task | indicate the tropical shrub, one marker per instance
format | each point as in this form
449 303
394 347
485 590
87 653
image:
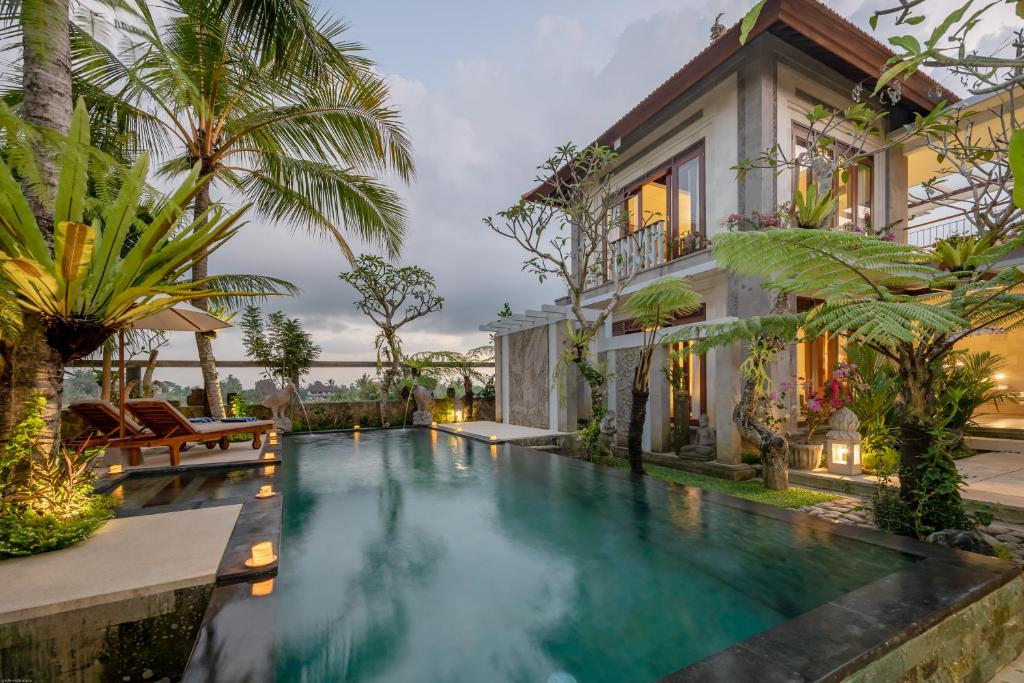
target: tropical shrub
48 500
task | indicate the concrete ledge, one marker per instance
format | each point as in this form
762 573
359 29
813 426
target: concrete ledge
711 468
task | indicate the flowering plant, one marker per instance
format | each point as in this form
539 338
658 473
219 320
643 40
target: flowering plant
690 243
833 396
757 220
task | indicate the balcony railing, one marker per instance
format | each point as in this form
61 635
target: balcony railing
927 234
645 248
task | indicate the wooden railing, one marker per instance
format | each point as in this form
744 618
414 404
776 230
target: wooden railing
643 249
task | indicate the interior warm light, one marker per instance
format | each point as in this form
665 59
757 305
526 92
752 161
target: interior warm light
266 491
1000 375
262 555
262 588
115 469
839 454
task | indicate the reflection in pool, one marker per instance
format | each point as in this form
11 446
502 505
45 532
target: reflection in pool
420 556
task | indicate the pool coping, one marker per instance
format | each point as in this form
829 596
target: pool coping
843 635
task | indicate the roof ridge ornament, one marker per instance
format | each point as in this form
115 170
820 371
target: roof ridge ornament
717 29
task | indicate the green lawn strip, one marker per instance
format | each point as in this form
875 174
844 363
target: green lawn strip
794 497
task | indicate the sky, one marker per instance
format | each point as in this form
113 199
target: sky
487 90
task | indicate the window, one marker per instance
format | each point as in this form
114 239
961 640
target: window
671 196
852 189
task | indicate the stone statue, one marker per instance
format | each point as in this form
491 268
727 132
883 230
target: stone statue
704 449
424 398
276 399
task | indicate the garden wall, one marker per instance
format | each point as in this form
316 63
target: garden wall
329 414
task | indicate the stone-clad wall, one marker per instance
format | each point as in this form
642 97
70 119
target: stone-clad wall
528 386
970 645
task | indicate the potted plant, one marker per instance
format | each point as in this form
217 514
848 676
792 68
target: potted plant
803 453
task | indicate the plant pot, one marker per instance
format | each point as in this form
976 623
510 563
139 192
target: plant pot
804 456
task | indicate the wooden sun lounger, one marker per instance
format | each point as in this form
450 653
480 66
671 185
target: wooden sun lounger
103 423
168 427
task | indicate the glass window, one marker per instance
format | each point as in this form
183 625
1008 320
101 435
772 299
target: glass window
654 201
688 196
633 212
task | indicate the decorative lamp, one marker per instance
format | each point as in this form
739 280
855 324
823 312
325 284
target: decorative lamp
433 424
115 469
262 555
842 443
458 416
355 427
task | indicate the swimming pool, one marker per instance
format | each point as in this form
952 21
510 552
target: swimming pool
419 556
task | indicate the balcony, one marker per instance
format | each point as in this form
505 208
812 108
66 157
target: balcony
646 248
927 234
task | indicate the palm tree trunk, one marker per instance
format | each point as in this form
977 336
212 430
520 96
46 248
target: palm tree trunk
204 342
634 439
467 397
46 56
36 368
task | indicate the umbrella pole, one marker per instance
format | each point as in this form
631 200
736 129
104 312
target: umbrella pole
120 377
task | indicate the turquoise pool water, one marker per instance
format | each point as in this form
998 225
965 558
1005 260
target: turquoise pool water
418 556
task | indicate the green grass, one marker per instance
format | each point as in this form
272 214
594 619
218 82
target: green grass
751 490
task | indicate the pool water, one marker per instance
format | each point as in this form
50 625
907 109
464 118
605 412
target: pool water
419 556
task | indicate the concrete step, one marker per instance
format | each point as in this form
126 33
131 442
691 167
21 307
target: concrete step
991 443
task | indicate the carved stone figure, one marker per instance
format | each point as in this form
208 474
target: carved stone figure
704 449
276 399
424 398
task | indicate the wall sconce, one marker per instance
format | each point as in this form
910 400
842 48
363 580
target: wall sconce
266 491
262 588
842 443
115 469
262 555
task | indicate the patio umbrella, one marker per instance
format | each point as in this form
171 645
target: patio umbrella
180 318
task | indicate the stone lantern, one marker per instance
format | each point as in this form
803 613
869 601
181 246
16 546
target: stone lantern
842 443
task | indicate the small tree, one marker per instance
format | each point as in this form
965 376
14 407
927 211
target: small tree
280 345
654 307
454 365
565 229
392 297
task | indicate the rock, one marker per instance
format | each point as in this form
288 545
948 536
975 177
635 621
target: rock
971 541
1008 538
422 418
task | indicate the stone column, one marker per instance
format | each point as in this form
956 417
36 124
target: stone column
724 380
499 381
658 402
895 183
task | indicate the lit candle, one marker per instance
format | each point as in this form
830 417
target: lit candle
433 424
493 437
266 491
268 455
262 555
115 469
355 427
261 588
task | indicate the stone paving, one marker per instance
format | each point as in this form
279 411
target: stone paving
858 511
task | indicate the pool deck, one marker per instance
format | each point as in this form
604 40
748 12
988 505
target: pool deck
128 557
238 453
994 479
503 433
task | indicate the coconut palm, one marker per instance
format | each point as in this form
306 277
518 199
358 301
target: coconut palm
653 308
301 137
102 275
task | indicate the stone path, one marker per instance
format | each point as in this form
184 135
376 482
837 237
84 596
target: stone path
858 511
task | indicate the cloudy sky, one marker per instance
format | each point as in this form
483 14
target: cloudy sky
486 89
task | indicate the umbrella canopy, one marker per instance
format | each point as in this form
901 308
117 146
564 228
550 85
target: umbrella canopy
181 318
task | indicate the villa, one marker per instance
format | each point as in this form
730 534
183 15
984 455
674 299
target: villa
677 150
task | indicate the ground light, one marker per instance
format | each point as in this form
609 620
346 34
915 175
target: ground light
272 437
262 555
115 469
266 491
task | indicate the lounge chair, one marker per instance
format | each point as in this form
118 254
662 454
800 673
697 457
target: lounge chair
168 427
103 423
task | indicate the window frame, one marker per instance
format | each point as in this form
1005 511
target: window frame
800 136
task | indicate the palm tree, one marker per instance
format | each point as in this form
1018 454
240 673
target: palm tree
100 276
654 308
301 129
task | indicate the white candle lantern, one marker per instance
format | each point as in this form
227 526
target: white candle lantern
842 443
